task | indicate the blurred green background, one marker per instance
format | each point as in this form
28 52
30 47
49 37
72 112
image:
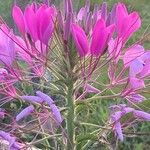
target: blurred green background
143 6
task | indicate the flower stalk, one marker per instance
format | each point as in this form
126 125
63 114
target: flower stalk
70 116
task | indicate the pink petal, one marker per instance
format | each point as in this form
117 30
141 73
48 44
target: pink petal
134 23
99 38
80 40
19 18
31 22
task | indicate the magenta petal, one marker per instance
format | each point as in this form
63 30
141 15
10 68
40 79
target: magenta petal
19 18
126 24
134 23
80 40
31 22
99 38
25 112
121 14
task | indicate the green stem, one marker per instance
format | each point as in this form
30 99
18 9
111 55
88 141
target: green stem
70 117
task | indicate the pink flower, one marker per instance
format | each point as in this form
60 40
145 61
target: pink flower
38 23
127 24
100 36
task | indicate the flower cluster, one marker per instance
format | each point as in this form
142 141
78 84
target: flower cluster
62 53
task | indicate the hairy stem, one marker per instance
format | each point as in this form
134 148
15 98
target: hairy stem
70 117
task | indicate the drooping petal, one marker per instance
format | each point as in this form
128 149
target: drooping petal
52 105
118 130
25 112
142 115
117 125
136 98
32 99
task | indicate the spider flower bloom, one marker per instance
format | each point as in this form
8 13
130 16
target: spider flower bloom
100 36
80 40
38 23
127 24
